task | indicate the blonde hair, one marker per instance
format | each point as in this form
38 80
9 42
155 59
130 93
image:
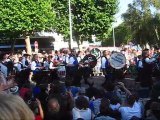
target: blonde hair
14 108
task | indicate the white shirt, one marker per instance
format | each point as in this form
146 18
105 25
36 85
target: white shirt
66 58
3 69
128 112
18 66
103 62
34 65
84 114
149 60
115 107
24 62
79 58
140 64
46 65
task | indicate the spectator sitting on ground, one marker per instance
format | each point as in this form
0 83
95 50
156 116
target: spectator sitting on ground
95 103
104 111
82 93
53 110
130 110
154 112
14 108
74 90
81 109
115 103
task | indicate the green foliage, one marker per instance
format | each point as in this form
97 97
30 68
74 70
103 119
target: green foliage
25 16
89 17
122 35
142 23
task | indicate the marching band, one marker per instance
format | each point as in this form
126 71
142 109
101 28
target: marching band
74 65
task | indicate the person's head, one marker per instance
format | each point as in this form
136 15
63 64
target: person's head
73 52
49 58
104 106
109 86
114 100
3 56
131 100
35 57
81 103
105 53
82 91
14 108
145 53
53 106
20 59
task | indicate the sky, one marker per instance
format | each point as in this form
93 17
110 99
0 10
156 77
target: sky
123 6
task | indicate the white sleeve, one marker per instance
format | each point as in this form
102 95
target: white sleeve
23 62
71 60
140 64
147 60
103 62
79 59
19 67
33 65
51 65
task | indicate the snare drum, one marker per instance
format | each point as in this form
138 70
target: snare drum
61 71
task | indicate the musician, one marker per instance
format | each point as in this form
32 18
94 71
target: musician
19 65
79 56
72 64
48 64
25 60
35 64
147 62
105 64
3 67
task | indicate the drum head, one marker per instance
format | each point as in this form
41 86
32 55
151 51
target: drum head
90 59
96 52
117 60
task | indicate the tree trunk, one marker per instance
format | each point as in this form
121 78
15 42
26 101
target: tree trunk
157 35
13 41
28 45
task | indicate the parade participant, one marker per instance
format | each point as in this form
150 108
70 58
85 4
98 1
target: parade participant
35 64
79 56
146 80
105 64
25 60
3 67
72 64
48 64
19 65
139 66
57 53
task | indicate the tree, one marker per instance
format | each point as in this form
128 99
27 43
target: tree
142 22
122 35
89 17
24 17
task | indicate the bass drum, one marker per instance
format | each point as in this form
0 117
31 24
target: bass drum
117 60
90 60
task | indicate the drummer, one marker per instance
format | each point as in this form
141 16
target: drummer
18 65
26 61
48 64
